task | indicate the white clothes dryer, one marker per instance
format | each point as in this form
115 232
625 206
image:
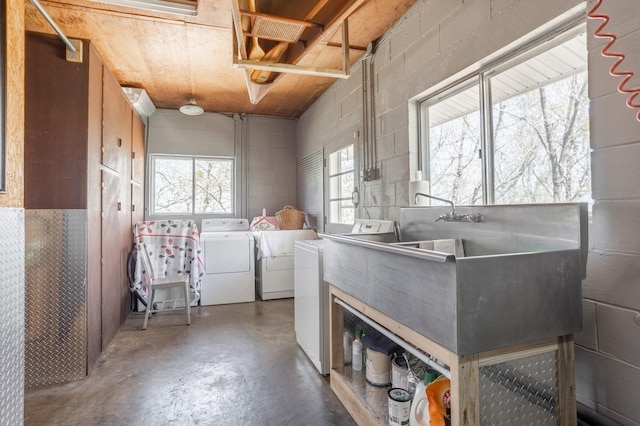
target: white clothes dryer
229 262
274 265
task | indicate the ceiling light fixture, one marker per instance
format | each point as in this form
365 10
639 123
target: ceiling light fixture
191 108
180 7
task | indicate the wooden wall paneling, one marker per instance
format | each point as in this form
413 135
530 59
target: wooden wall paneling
116 132
79 139
55 127
117 118
125 232
94 210
137 149
137 169
137 203
117 124
112 265
128 116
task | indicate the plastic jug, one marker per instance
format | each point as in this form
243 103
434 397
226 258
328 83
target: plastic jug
419 415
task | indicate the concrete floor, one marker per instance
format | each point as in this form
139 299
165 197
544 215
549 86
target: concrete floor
234 365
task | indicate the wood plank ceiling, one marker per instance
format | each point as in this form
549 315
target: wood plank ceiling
175 57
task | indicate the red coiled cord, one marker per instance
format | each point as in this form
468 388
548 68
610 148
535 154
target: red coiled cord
606 51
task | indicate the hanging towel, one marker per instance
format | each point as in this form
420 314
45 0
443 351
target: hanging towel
174 249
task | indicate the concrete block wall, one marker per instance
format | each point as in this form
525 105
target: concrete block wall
332 122
333 118
173 133
271 164
608 352
264 149
431 44
436 43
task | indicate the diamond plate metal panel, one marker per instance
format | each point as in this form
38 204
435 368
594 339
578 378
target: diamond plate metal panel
12 317
520 392
55 327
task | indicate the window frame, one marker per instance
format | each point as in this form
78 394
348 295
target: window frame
193 159
482 78
331 198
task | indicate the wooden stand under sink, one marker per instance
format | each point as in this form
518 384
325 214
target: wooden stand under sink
368 404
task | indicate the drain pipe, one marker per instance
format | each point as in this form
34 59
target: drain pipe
410 348
55 26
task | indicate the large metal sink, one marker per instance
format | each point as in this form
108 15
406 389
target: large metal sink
518 281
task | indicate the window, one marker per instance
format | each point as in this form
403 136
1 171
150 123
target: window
341 186
517 132
191 185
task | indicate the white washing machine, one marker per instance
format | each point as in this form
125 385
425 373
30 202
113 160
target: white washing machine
311 300
229 262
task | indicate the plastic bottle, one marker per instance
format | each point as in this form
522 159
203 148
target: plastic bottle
419 414
356 354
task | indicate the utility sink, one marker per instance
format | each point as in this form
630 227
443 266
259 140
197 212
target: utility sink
472 287
453 246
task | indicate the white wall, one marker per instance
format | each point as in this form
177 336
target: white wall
264 149
435 42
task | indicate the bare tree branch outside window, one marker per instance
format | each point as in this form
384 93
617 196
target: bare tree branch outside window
541 145
187 185
539 139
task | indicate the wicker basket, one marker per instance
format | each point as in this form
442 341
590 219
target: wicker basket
290 218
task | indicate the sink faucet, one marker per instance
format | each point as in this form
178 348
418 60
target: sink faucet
452 216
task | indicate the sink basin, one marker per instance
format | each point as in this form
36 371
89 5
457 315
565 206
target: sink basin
385 237
489 246
514 278
454 246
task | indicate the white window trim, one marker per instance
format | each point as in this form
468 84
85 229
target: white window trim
330 220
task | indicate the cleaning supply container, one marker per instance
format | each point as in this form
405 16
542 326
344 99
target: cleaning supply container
356 352
399 405
419 414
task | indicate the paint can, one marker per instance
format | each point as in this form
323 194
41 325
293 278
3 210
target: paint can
399 371
378 368
378 358
399 407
